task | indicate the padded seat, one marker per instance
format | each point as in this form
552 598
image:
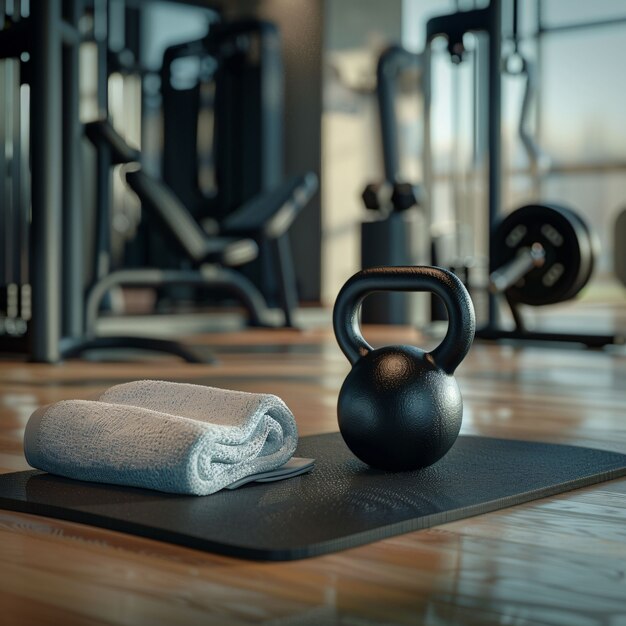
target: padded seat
171 215
192 240
240 64
271 213
212 257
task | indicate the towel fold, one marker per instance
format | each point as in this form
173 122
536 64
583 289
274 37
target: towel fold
172 437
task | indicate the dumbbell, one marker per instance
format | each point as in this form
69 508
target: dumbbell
387 197
541 254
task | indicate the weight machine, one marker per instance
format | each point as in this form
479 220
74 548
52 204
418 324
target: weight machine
539 254
390 235
50 307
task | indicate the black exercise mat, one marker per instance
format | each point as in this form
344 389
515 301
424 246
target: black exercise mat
343 503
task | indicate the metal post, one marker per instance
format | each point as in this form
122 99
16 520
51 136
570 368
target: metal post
73 218
5 222
427 167
539 180
46 158
494 131
454 26
386 93
102 261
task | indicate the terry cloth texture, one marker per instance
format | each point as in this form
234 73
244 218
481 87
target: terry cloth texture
172 437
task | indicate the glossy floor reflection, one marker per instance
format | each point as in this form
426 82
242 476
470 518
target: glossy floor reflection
554 561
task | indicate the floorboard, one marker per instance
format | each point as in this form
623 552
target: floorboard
555 561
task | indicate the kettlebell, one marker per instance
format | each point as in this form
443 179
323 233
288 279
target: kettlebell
400 407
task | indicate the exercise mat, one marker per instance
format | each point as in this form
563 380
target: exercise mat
343 503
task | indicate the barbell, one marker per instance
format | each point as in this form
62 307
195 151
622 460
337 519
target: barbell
541 254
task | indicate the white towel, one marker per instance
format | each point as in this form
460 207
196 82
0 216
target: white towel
172 437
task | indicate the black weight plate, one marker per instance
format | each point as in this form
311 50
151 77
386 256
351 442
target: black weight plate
588 251
619 249
568 247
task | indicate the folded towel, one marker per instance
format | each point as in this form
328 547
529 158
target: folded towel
172 437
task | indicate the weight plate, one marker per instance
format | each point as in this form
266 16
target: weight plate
619 249
589 250
568 245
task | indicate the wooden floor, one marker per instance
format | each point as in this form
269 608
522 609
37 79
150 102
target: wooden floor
560 560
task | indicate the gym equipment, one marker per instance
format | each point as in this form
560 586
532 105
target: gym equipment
400 407
394 65
454 27
388 242
391 237
46 42
516 64
541 254
341 504
42 46
240 64
211 258
45 45
15 288
53 291
524 275
387 197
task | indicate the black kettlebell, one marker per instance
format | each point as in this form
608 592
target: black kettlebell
400 408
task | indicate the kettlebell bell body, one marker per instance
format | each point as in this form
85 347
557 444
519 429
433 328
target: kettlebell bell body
400 407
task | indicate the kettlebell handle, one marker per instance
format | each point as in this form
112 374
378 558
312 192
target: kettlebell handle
461 325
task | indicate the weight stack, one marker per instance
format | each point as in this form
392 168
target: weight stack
383 243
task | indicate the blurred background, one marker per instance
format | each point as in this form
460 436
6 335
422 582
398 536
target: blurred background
285 144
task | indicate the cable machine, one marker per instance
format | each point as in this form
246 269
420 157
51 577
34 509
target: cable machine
539 254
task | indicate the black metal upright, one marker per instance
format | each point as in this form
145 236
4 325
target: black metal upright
46 172
102 261
454 26
73 217
391 64
494 132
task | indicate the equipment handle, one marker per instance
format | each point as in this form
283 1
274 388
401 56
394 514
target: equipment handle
461 326
506 276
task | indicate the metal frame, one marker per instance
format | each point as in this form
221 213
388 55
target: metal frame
391 63
489 20
46 175
454 26
206 276
50 36
14 225
65 317
275 272
212 276
73 218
